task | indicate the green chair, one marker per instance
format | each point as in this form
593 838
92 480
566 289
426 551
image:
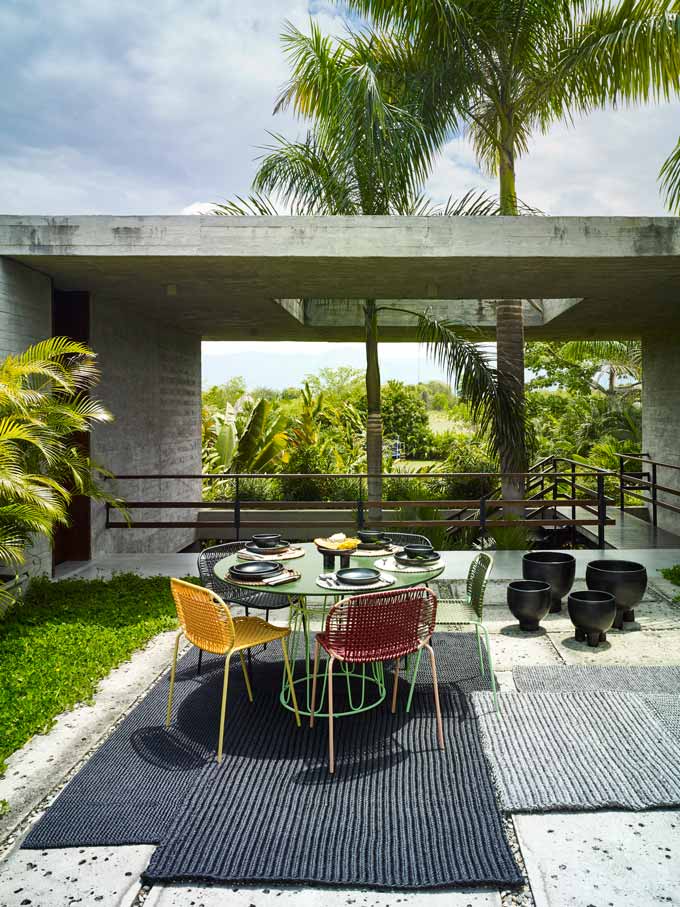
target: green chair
469 611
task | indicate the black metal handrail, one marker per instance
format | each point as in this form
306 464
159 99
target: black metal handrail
630 481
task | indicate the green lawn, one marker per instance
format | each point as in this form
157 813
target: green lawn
672 574
63 638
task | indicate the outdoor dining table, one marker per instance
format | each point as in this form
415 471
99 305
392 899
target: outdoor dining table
308 600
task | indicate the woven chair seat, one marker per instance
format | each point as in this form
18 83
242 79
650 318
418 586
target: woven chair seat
253 631
455 611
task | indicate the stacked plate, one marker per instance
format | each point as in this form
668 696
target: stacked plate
255 571
279 548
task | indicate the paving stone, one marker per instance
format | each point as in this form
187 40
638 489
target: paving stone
623 647
602 859
218 896
80 875
513 647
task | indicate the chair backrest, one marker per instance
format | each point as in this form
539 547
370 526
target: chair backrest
381 625
209 557
477 578
406 538
203 616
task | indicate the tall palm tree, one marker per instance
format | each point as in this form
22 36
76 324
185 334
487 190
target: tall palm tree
500 70
366 154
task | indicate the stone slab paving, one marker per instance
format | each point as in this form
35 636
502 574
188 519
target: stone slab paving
623 647
602 859
79 875
202 896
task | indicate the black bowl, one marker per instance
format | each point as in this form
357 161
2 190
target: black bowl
554 567
592 613
625 580
267 539
406 561
255 570
529 601
371 536
358 576
283 545
418 550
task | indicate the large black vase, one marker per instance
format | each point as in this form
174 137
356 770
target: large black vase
592 613
625 580
554 567
529 601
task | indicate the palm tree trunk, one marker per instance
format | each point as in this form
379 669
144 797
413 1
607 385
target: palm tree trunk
374 419
510 332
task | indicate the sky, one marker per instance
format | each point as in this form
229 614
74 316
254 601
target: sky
161 107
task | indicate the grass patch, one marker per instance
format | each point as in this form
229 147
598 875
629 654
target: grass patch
62 638
672 574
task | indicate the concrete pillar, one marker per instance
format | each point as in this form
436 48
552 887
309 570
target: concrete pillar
25 318
151 382
661 416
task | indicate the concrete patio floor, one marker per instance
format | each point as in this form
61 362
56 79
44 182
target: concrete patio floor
602 859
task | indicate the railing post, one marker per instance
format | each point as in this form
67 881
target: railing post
360 505
482 516
621 484
601 510
573 491
237 509
654 497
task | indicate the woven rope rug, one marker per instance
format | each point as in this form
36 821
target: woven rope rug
596 678
398 812
580 751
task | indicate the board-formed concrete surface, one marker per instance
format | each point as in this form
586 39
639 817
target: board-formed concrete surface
602 859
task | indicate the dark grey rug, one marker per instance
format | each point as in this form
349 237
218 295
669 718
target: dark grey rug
596 678
398 813
581 751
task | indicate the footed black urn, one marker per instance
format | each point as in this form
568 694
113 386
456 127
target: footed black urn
557 568
529 601
625 580
592 613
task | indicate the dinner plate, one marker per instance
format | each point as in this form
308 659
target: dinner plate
276 549
358 576
407 561
255 570
373 546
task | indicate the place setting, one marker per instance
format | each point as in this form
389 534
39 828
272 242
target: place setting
373 543
262 573
412 558
268 546
355 579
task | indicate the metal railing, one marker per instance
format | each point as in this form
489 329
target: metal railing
553 488
630 483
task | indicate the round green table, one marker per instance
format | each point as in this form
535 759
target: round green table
302 611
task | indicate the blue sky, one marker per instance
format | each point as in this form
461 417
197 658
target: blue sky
122 107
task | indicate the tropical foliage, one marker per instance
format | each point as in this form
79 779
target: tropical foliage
45 404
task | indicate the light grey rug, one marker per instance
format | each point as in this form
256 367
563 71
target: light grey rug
582 751
667 710
585 678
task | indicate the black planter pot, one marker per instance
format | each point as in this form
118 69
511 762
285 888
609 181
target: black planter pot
529 601
557 568
592 613
625 580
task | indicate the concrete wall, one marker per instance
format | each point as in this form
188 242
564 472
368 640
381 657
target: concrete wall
661 416
151 382
25 317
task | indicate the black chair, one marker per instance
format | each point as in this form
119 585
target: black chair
234 595
406 538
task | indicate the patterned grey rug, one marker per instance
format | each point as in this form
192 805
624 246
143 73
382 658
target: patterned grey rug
586 678
581 751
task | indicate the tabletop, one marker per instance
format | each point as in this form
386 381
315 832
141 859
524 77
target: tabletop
311 566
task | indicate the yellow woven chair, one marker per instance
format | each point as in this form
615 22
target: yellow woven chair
206 622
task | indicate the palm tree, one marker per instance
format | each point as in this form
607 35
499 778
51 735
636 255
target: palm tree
44 403
499 71
613 360
367 155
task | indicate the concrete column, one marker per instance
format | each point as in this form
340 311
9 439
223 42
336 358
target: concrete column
25 318
661 416
151 382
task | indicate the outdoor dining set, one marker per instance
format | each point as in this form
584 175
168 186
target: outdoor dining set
370 597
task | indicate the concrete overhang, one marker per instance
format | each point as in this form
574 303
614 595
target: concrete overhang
244 278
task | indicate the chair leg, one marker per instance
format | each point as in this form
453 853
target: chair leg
435 684
413 680
249 689
395 687
172 680
223 711
331 750
286 661
200 662
479 651
316 671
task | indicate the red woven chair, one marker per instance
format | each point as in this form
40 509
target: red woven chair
381 626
